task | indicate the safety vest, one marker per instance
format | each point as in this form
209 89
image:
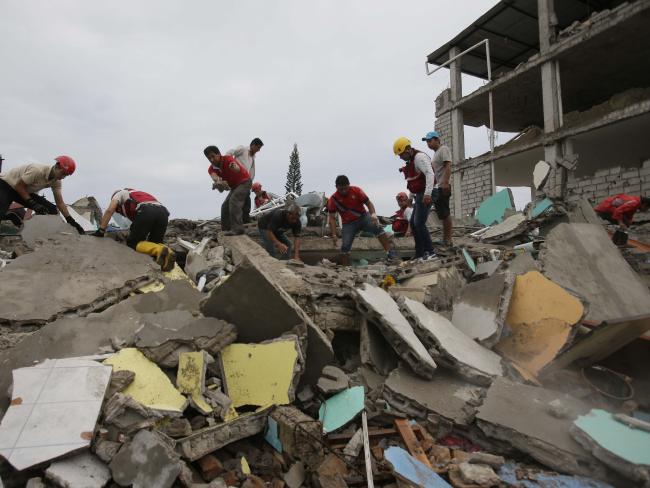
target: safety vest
131 205
261 200
415 180
233 178
400 224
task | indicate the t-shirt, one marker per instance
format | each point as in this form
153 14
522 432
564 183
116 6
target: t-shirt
276 221
35 176
233 178
351 206
123 195
441 155
243 155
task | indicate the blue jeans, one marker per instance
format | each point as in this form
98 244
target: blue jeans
351 229
419 229
270 248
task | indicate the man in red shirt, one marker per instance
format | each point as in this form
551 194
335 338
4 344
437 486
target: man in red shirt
261 197
620 209
229 174
351 202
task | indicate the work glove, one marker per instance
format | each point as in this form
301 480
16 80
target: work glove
37 207
99 232
74 224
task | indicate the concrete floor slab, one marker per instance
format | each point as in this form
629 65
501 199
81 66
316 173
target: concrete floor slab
510 227
82 470
481 310
380 307
451 347
446 395
43 227
375 351
74 274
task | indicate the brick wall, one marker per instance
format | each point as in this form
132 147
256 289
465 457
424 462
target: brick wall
443 127
476 186
610 181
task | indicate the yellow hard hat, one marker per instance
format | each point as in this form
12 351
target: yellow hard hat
400 145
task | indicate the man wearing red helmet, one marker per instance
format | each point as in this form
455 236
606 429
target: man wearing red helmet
402 218
22 184
261 197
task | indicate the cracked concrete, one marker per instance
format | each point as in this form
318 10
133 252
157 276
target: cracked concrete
375 351
43 227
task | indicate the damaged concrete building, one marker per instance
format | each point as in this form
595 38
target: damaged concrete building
570 79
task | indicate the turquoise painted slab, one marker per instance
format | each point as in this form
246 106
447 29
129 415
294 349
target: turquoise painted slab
409 468
541 207
470 261
271 435
508 474
337 411
632 445
493 208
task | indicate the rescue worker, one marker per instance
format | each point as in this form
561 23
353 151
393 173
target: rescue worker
228 173
21 185
401 218
261 197
620 209
246 156
273 225
148 224
351 202
441 189
418 173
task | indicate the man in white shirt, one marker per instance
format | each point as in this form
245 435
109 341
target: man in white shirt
246 156
442 191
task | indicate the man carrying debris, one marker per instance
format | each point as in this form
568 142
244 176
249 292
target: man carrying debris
351 202
261 197
22 183
419 180
442 189
620 209
228 173
401 219
148 224
273 226
246 156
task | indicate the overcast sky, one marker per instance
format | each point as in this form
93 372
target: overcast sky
135 90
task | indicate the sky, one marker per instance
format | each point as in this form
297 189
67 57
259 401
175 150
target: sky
134 91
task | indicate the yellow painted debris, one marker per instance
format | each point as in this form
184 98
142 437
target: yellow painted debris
150 387
259 374
245 468
175 274
541 317
191 378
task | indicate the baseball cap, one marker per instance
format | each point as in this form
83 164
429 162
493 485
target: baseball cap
431 135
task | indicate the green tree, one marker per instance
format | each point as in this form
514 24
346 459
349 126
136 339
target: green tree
294 178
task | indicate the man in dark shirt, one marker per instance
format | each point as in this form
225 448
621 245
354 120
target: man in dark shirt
273 226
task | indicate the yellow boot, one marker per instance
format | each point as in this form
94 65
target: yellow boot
165 257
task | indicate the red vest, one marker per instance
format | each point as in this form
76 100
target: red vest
400 224
233 178
261 200
135 198
415 180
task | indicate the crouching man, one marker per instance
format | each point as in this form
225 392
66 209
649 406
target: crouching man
148 224
272 227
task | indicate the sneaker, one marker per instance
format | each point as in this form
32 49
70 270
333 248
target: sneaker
391 257
428 256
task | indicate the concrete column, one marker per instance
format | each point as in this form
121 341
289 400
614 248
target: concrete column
457 129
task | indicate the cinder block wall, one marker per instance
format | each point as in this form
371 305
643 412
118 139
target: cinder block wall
610 181
476 186
443 127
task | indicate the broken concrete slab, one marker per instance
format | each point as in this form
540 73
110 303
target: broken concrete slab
406 467
481 310
43 227
478 474
375 351
622 448
295 477
515 475
333 380
151 386
449 346
522 263
54 409
339 410
377 305
85 273
488 267
262 310
297 435
492 209
540 174
209 439
445 396
82 470
262 374
145 461
190 378
510 227
517 413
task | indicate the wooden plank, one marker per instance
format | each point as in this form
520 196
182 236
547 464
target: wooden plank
412 444
366 450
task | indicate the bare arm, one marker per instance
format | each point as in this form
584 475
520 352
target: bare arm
371 207
106 218
446 174
60 204
332 222
296 248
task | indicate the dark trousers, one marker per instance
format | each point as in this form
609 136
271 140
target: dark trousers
419 229
150 224
247 210
232 208
270 248
9 195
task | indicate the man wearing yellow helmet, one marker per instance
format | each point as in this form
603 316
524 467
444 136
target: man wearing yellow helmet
418 173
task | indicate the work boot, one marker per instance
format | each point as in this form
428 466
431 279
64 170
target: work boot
163 255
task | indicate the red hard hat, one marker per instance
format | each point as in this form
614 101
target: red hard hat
256 187
402 196
67 164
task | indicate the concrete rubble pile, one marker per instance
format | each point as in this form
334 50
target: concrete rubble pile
514 359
